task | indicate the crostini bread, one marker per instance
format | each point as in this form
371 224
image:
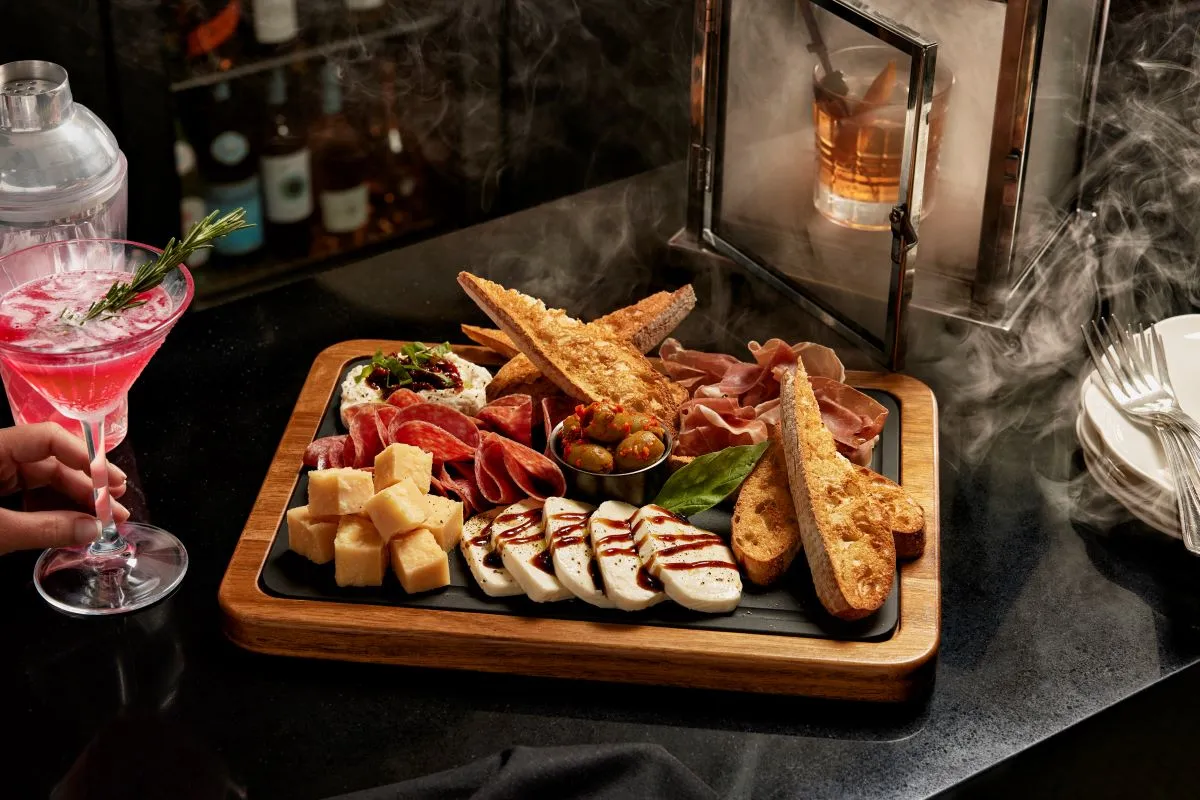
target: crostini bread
586 362
843 526
766 535
645 324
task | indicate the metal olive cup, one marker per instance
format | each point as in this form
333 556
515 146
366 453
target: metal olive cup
636 488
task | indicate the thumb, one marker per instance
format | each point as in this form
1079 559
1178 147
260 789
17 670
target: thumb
29 530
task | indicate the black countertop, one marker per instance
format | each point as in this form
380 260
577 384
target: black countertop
1047 619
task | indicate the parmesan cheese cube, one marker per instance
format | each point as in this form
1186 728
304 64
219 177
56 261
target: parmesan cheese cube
311 537
444 519
419 562
359 554
397 509
400 461
336 492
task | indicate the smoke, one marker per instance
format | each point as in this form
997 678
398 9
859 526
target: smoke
1135 253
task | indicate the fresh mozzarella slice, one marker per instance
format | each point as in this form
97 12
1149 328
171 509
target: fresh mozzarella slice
486 566
695 566
519 536
571 550
628 585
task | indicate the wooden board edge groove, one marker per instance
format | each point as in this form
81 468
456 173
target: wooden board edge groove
895 669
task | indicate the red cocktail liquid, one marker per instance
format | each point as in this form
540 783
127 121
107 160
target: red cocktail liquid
101 362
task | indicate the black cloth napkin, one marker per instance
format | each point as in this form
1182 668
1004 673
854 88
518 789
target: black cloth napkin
595 772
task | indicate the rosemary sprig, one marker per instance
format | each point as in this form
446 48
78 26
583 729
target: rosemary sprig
121 295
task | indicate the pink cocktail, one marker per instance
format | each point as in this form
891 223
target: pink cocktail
84 368
29 407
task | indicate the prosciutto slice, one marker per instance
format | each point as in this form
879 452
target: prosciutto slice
512 416
710 424
506 471
436 441
737 402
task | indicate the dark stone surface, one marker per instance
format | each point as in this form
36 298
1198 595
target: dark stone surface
1046 620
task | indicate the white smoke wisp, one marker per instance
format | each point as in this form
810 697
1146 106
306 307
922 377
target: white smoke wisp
1139 258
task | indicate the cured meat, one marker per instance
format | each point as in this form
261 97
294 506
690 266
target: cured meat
512 416
448 419
556 409
458 479
730 396
507 471
851 416
402 398
362 423
434 440
326 452
385 422
710 424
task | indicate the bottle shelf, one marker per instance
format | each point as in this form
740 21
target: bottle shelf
342 45
222 280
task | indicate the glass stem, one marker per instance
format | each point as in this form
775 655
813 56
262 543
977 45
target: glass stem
109 540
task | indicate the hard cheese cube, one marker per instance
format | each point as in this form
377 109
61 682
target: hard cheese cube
397 509
444 519
359 554
400 461
335 492
419 562
311 537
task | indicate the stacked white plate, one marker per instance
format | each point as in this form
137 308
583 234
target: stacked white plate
1125 457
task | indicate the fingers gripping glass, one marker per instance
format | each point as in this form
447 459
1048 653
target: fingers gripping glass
84 371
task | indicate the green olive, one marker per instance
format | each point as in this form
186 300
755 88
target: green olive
602 426
572 429
632 423
638 450
589 457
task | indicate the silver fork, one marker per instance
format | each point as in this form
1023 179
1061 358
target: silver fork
1133 370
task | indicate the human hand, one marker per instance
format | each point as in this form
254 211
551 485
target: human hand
33 456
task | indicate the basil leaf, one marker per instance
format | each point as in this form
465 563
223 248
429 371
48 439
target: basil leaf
709 479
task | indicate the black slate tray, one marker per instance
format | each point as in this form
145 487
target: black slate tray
790 608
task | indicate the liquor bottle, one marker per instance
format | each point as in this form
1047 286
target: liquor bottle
230 167
276 23
191 192
286 167
397 178
341 164
209 29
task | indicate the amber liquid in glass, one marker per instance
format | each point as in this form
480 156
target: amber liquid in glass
860 147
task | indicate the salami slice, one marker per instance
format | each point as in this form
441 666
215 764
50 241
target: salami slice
402 398
385 422
512 416
507 470
362 422
556 409
326 452
463 476
433 440
454 422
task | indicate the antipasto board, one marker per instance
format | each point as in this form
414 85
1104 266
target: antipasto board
778 640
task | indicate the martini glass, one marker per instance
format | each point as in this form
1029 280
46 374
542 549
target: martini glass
84 371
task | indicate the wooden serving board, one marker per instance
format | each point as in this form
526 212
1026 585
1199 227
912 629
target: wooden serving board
892 669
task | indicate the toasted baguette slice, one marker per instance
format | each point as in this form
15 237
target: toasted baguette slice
491 339
585 361
650 320
906 518
844 528
645 324
766 534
